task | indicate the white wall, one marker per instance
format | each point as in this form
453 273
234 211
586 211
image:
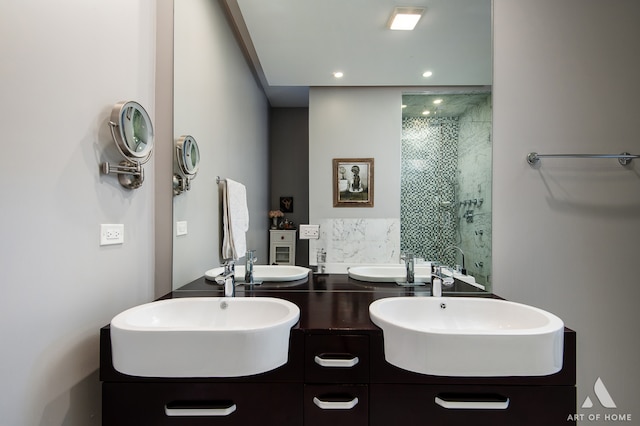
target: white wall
218 102
64 65
566 235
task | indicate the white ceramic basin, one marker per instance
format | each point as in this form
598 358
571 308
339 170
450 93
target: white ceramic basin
203 337
265 273
465 336
389 273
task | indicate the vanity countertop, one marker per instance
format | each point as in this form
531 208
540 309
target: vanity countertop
327 301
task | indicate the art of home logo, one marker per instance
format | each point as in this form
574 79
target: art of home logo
606 401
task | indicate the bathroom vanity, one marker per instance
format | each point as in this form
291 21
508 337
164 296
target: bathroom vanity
336 374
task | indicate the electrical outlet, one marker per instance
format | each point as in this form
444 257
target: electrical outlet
111 233
181 227
309 232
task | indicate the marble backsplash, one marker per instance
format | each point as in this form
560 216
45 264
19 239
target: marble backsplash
349 241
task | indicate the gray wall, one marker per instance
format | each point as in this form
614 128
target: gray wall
63 68
566 235
218 102
289 169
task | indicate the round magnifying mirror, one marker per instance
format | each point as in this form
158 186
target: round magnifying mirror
132 130
188 155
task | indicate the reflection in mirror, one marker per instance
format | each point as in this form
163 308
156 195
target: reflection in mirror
188 161
214 99
445 212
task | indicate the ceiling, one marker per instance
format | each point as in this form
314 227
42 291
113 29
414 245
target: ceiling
296 44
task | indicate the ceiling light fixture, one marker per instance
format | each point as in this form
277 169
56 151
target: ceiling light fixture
437 101
426 112
405 18
427 74
338 74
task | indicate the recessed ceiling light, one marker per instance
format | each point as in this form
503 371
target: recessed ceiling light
426 112
338 74
437 101
427 74
405 18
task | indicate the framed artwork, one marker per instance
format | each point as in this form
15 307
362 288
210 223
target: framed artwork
353 182
286 204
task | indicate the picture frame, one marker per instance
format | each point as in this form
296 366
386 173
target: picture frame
353 182
286 204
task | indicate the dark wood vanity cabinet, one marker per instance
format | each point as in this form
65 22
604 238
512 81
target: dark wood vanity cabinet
478 405
336 390
272 398
195 404
401 397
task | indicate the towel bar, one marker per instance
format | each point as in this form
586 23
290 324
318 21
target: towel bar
624 158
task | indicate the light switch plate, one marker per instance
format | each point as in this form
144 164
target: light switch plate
111 233
181 228
309 232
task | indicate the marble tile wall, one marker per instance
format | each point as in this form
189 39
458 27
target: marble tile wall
475 158
350 241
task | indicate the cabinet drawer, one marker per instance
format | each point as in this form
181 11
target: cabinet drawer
336 405
189 404
336 358
411 405
283 236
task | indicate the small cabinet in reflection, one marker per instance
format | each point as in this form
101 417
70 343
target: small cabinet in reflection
282 247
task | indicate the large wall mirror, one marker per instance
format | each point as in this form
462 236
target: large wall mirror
456 205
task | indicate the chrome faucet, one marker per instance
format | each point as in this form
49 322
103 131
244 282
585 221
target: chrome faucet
438 280
250 259
228 279
409 263
444 250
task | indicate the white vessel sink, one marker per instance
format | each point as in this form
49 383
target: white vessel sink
465 336
275 273
389 273
203 337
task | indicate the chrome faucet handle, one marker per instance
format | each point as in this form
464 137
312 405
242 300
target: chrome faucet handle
228 278
229 267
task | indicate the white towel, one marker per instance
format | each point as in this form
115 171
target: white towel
235 222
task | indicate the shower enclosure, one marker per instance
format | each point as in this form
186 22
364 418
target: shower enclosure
446 180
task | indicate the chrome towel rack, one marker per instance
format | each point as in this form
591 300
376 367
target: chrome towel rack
624 158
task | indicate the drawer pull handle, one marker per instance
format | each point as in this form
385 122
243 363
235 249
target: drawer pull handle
335 405
336 362
208 409
472 402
